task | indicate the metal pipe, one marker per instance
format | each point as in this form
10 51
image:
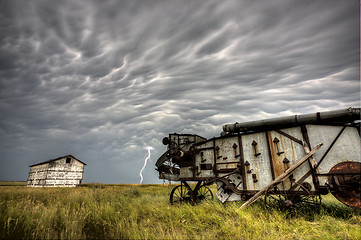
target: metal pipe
347 115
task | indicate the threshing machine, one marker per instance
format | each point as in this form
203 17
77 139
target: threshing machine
291 160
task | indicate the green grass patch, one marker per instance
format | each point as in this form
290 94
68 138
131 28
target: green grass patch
99 211
12 183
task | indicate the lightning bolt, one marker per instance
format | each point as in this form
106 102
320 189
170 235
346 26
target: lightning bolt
145 163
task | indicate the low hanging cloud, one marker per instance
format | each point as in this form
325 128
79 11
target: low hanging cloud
104 80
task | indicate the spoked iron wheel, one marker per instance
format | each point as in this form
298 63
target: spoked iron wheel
181 194
299 198
204 193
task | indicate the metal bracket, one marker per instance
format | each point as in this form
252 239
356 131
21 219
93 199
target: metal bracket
287 163
254 144
235 150
217 152
247 164
202 159
254 176
276 141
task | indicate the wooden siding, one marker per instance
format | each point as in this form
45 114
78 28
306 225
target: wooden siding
57 173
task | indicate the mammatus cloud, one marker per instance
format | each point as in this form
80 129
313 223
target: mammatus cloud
101 81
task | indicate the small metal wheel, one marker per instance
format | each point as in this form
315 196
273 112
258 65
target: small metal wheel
204 193
299 198
181 194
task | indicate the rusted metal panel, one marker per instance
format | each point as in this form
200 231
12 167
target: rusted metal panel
346 148
257 160
225 194
285 151
344 182
169 176
186 172
227 153
205 162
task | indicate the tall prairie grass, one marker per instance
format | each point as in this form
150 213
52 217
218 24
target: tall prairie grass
12 183
99 211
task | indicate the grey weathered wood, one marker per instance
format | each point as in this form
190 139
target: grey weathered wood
57 173
282 177
311 159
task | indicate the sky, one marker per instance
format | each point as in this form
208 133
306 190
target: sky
106 80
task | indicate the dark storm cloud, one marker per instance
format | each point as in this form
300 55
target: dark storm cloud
104 80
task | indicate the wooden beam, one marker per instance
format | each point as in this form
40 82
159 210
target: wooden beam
312 159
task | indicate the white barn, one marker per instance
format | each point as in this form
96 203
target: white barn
66 171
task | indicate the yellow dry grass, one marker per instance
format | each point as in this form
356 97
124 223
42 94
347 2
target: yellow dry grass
143 212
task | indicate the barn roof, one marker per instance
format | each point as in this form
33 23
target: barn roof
51 160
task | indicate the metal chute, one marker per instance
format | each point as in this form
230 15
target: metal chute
162 159
330 117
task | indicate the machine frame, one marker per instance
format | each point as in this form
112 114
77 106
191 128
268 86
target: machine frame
249 158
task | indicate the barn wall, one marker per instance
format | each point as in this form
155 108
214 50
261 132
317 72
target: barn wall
64 174
37 175
57 173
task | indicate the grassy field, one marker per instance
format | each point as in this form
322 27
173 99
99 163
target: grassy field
97 211
12 183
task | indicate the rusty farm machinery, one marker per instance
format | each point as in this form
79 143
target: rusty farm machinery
291 161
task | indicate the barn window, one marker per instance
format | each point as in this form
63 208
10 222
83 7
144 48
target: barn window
68 160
